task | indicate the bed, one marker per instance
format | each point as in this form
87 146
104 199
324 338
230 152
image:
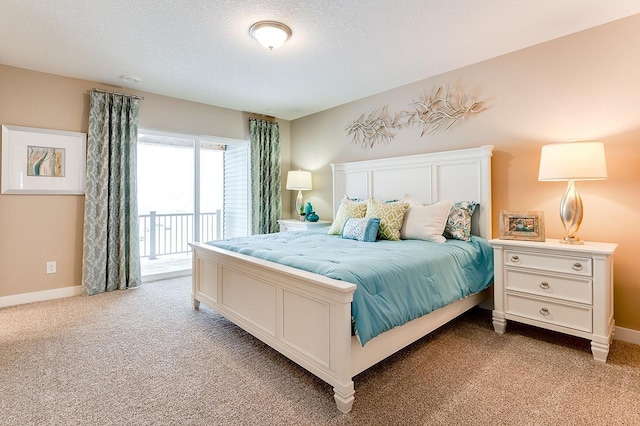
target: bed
306 316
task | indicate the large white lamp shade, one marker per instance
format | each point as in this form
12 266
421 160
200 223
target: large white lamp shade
570 162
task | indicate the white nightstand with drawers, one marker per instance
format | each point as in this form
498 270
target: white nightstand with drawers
561 287
301 225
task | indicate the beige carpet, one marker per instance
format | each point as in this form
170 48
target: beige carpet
145 357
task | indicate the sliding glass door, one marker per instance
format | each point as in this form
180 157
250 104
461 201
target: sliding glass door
190 188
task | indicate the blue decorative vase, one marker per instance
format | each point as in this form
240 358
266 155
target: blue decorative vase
313 217
308 209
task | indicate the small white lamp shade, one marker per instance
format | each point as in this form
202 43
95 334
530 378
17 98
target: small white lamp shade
570 162
299 179
573 160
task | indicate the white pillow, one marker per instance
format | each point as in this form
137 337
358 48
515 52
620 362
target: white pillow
426 222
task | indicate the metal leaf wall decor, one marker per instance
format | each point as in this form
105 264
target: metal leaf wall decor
440 109
375 128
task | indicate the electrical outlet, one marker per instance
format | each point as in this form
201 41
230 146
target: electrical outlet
51 267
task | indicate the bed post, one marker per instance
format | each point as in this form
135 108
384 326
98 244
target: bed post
341 357
344 397
195 271
196 302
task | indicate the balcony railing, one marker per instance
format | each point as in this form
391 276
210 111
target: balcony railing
170 233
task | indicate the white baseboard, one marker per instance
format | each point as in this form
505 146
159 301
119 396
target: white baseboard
166 275
627 335
38 296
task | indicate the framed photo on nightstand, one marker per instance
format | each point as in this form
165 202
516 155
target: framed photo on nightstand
522 225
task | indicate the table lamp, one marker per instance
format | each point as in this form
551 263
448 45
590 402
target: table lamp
300 180
570 162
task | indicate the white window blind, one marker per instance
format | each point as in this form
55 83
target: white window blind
236 191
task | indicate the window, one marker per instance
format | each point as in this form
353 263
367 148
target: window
190 188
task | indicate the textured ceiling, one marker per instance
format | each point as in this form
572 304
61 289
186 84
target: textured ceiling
340 51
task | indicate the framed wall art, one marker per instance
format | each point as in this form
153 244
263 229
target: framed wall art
522 225
42 161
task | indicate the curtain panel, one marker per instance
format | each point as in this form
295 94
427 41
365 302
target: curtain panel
266 200
111 253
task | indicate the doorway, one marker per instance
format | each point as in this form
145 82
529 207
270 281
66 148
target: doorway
190 188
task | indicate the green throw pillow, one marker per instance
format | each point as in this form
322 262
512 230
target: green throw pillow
391 218
348 208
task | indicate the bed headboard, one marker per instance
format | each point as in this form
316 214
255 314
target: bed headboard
460 175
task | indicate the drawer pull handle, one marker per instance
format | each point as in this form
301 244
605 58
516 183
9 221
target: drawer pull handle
544 311
577 266
544 285
515 258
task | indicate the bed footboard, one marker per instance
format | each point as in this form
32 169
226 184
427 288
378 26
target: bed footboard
304 316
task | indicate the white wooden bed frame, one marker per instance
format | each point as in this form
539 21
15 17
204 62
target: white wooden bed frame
307 317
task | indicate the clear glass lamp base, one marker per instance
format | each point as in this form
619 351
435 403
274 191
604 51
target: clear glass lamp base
571 213
572 240
299 206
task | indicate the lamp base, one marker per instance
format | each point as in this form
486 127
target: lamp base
572 240
571 213
299 205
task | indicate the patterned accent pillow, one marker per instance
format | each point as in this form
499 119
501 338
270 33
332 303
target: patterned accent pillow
391 218
361 228
459 222
348 208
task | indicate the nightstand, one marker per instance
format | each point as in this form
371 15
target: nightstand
561 287
300 225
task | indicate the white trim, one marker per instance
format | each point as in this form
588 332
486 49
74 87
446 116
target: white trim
627 335
191 136
196 190
166 275
39 296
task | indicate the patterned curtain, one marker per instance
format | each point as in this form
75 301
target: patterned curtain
266 202
111 254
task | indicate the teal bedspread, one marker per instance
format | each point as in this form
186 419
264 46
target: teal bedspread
397 281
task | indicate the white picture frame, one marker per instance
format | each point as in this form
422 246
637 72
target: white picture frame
42 161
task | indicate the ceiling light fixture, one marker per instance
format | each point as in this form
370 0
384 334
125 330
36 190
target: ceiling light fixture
130 79
270 34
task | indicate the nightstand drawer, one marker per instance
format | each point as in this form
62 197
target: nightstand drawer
301 225
549 262
573 289
285 227
571 316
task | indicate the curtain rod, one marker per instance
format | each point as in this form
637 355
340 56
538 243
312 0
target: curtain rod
117 93
256 116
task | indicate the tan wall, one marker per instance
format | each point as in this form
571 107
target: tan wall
35 229
584 87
